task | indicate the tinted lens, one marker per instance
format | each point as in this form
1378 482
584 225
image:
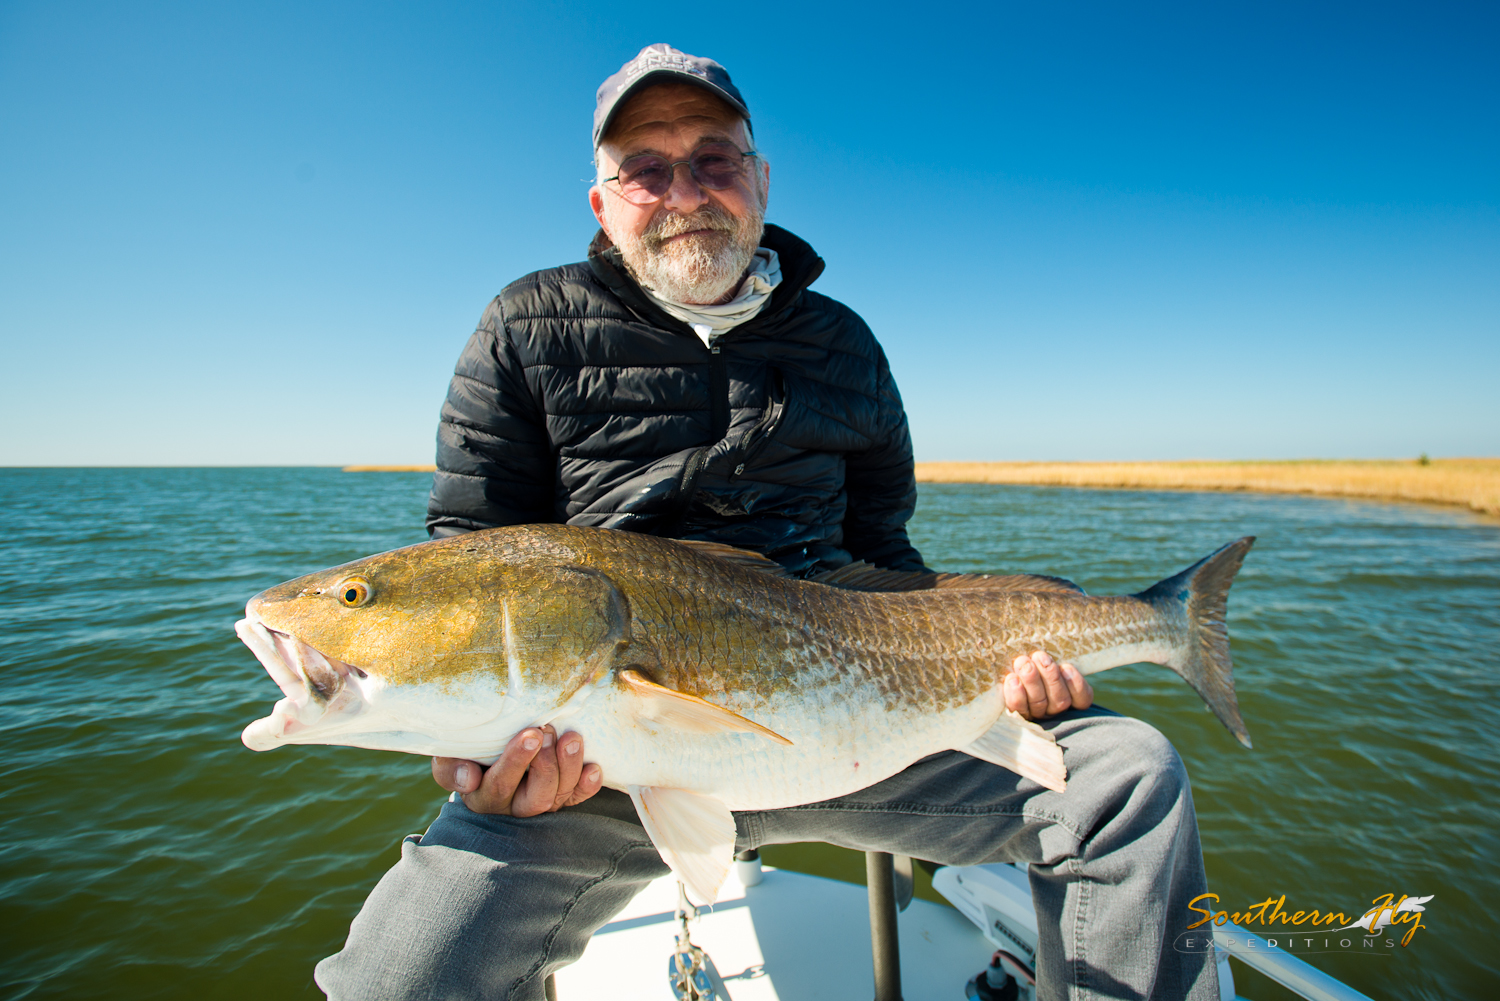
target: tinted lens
645 178
716 165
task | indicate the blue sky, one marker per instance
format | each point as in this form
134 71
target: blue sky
260 233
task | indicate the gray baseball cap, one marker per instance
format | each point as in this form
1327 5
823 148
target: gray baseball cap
660 63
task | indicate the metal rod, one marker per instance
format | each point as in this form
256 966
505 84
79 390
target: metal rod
747 867
1282 967
906 884
880 875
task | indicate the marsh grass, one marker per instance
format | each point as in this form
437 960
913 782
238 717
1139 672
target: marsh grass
1470 483
427 468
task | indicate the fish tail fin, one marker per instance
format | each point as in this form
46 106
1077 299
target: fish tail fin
1203 661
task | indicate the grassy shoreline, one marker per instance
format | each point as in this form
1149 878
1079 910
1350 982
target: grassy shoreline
1470 483
428 468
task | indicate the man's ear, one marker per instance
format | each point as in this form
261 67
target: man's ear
765 183
596 203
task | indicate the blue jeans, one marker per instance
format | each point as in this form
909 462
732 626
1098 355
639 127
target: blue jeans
488 907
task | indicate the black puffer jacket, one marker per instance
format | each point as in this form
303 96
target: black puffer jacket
579 400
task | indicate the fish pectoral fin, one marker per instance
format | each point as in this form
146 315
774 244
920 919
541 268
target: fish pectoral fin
661 704
1018 744
693 833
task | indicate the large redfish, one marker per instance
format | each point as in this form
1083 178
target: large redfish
702 678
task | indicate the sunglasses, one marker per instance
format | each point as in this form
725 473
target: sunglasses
647 178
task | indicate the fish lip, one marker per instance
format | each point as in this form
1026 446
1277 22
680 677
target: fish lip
315 685
259 637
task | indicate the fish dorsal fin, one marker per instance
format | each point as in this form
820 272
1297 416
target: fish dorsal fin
743 557
1016 743
1009 582
863 577
693 833
661 704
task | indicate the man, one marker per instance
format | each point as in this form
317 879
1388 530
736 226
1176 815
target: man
685 382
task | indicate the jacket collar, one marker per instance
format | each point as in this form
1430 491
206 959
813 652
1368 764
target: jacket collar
800 267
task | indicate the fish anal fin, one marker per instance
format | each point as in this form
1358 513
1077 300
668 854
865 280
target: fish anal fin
1020 745
864 577
742 557
693 833
689 713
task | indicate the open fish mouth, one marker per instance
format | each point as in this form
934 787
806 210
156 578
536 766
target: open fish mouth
318 688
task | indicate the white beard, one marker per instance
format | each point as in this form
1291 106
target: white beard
701 269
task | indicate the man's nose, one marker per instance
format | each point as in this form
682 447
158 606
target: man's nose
685 195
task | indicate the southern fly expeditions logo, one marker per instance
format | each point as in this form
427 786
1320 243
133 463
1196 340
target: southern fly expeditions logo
1393 920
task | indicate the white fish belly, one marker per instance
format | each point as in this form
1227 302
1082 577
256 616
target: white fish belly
832 754
1147 652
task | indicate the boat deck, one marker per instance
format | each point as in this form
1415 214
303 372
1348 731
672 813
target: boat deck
793 937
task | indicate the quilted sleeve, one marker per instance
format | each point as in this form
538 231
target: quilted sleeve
882 485
494 459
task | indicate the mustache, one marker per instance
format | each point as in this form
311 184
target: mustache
670 224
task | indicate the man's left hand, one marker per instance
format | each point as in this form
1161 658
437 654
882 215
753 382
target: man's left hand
1038 686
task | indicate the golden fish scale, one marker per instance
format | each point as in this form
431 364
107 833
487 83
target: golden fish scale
740 637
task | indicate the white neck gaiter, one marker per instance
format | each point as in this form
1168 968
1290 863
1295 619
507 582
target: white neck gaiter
709 322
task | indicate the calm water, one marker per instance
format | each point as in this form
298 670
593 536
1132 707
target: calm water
148 854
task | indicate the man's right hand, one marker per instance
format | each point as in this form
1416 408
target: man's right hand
536 773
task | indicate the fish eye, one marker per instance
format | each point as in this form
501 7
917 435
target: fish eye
353 592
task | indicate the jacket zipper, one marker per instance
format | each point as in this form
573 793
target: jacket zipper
765 428
718 419
718 391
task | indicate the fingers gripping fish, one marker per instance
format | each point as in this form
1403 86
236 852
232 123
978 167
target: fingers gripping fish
702 677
